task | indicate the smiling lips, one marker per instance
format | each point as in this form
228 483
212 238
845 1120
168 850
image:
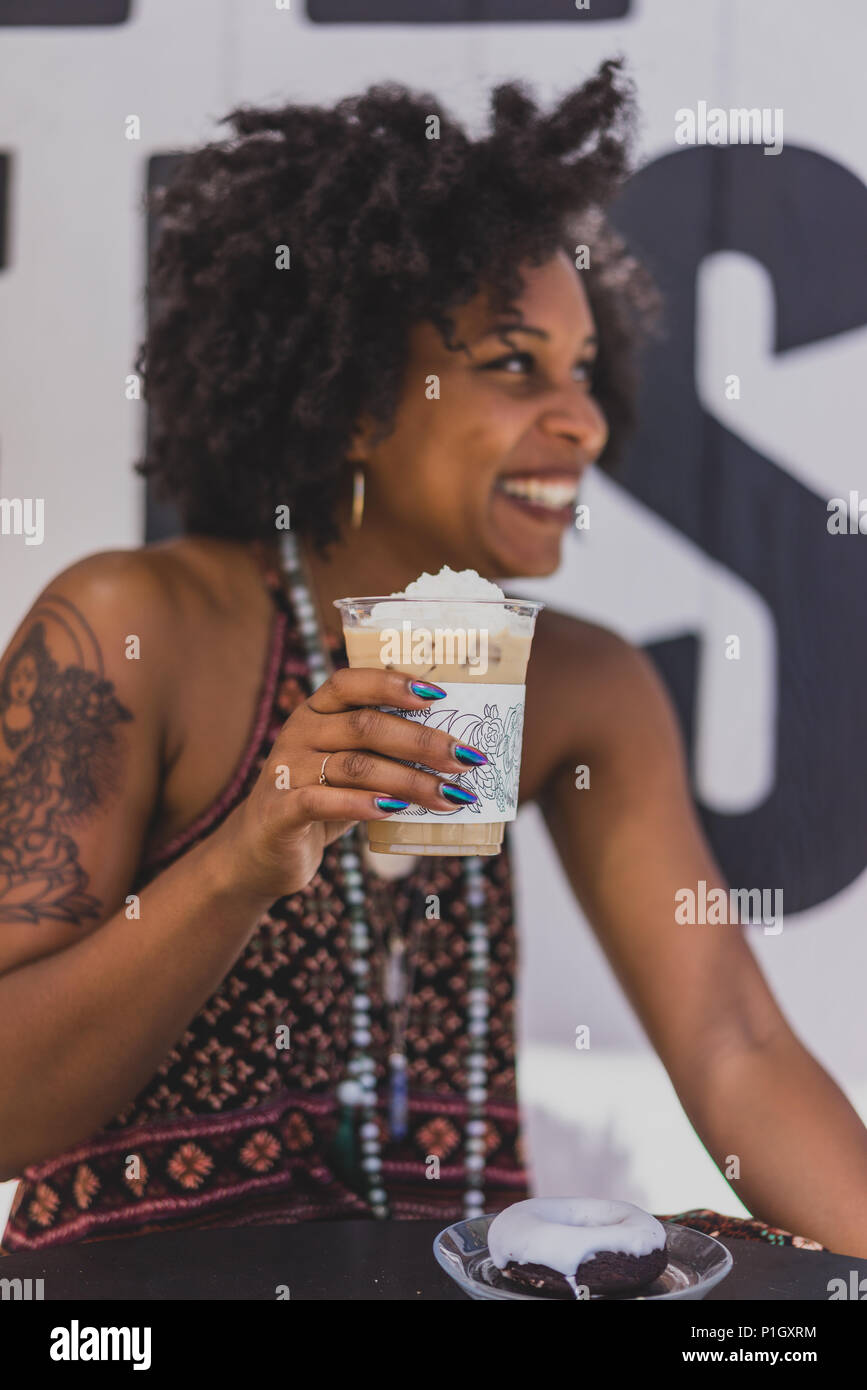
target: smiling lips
554 493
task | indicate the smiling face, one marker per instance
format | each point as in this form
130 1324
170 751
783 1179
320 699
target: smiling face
486 476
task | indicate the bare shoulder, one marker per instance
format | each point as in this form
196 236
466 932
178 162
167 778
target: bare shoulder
95 614
170 580
611 673
588 648
146 620
591 694
112 613
166 591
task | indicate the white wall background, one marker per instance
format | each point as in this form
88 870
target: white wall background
71 316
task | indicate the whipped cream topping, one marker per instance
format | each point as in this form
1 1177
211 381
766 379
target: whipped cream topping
461 586
563 1232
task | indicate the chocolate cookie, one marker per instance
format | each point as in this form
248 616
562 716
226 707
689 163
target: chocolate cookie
607 1273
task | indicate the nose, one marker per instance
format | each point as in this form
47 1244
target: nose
580 419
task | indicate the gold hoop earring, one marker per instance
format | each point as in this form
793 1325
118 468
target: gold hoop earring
357 497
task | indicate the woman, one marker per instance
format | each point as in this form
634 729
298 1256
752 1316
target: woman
374 326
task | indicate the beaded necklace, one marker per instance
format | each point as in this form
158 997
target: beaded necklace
357 1092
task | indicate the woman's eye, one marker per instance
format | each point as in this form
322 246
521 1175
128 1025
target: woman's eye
502 362
527 359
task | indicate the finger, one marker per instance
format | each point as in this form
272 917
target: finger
396 737
318 803
359 768
367 685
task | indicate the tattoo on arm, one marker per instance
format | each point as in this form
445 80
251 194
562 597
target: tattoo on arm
59 756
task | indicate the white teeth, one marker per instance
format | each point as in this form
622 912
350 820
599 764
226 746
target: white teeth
554 495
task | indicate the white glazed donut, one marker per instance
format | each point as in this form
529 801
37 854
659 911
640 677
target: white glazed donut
562 1232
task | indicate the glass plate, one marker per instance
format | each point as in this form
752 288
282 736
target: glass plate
696 1263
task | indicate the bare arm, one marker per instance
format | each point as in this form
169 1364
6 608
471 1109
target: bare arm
90 999
629 843
82 1030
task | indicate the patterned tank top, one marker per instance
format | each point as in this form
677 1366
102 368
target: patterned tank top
233 1130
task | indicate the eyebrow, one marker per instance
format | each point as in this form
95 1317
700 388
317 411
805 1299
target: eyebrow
518 327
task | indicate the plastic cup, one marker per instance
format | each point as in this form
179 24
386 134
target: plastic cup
477 650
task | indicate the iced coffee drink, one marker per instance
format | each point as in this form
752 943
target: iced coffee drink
460 632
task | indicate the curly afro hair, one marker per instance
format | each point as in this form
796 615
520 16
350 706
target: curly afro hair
256 376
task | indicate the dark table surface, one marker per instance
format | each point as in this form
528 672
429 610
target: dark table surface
339 1260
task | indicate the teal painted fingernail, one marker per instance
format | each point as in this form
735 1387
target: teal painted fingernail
425 691
391 803
452 793
465 754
